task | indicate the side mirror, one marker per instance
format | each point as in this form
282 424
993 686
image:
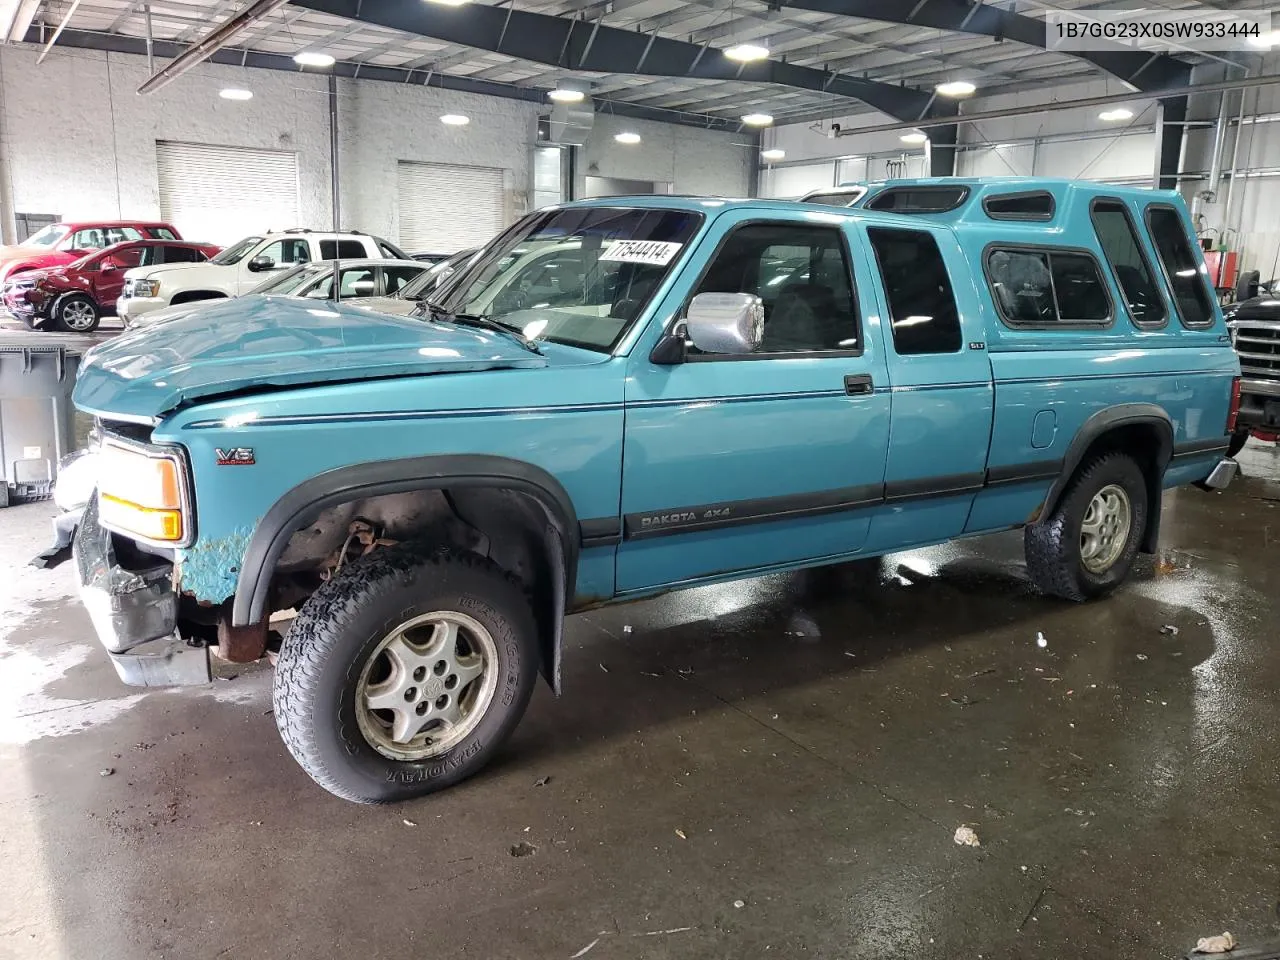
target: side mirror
726 322
261 264
363 288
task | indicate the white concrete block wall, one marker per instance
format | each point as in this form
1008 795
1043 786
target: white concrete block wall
692 160
383 123
80 142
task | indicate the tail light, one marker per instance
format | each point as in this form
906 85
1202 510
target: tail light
1234 413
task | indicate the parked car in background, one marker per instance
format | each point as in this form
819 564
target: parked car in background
241 267
358 279
77 296
61 243
1255 331
410 298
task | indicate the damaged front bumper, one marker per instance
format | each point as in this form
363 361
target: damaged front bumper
134 612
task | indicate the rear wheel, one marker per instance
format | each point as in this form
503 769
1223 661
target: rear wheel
404 673
1086 547
76 314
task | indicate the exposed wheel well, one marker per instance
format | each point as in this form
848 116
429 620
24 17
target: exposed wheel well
191 296
512 523
1149 441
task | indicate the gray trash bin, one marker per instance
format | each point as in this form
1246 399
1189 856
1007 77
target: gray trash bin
37 420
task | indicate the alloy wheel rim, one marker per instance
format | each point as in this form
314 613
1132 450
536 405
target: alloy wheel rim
427 685
1105 528
77 315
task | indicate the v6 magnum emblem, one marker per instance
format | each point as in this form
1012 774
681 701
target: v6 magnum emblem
234 457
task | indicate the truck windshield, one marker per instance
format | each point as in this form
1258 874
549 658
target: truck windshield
235 253
579 276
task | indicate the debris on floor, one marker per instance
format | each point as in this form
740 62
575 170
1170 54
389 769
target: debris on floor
680 834
1142 656
1041 642
1224 943
585 950
603 667
739 904
967 837
106 771
628 628
409 823
1169 630
523 849
542 781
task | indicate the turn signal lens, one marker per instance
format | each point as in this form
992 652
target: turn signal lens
1233 412
152 524
140 493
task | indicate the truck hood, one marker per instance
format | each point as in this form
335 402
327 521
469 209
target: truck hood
269 342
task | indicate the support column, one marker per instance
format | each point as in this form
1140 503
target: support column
1171 116
333 154
942 151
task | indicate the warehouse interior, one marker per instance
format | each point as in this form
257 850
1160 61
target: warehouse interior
913 754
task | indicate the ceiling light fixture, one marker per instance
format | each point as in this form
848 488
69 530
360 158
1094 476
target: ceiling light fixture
955 88
455 120
757 119
309 58
914 137
1119 113
746 52
774 154
564 95
449 3
628 137
235 93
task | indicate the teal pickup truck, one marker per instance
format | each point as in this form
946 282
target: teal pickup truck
620 397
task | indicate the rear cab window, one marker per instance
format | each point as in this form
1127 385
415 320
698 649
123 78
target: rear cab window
1182 271
1047 287
923 315
1025 205
919 199
1118 236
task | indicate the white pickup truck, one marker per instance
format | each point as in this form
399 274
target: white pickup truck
241 267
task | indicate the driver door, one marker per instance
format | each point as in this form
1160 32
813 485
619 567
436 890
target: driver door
764 459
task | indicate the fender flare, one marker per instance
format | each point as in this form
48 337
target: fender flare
1098 425
305 502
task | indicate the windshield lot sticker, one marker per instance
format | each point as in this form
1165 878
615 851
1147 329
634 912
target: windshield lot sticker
656 252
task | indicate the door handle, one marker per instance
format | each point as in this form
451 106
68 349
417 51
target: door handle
856 384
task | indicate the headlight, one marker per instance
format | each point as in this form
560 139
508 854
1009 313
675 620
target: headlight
142 492
146 288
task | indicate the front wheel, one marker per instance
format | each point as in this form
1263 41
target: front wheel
1086 547
76 314
405 672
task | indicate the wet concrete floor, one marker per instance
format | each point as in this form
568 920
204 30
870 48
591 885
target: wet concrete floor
770 768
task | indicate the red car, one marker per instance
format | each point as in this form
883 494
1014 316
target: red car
76 296
60 243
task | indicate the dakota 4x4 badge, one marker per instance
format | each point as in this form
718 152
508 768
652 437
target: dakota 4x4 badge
234 457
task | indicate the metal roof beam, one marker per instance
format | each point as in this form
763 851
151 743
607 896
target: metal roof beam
591 47
1146 71
118 43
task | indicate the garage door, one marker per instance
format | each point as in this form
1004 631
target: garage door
444 208
221 194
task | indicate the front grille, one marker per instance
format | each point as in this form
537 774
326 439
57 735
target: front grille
1259 350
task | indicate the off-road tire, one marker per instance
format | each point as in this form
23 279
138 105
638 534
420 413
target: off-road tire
321 658
76 301
1053 544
